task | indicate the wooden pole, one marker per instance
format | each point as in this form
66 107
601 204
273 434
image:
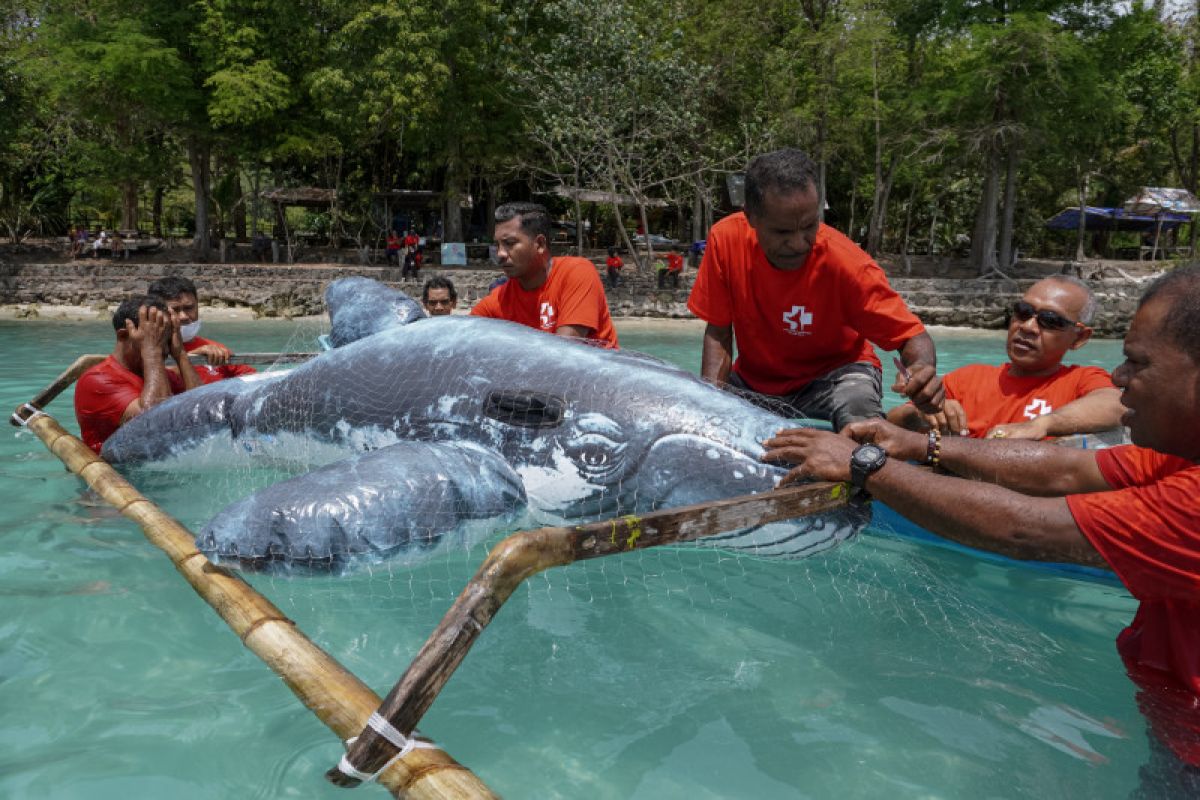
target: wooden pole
335 695
529 552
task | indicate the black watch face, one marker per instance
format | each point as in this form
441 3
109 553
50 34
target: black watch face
868 454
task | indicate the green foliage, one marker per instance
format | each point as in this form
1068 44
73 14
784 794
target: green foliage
909 105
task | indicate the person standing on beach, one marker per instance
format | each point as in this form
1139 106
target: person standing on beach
1131 509
134 377
613 264
179 295
560 295
1034 395
804 304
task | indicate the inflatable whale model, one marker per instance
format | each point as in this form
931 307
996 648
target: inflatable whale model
429 432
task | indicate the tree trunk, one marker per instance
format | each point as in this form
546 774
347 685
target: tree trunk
198 159
983 242
129 205
156 211
1008 216
698 212
1081 230
239 206
879 203
452 228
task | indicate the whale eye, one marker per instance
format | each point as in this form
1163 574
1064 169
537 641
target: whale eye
596 455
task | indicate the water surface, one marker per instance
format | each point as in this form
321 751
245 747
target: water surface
883 668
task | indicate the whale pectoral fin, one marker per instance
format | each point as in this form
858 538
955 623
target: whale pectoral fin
409 498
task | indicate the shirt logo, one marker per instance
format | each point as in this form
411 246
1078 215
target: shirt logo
548 317
1037 408
797 320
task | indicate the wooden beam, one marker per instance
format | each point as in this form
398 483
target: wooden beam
529 552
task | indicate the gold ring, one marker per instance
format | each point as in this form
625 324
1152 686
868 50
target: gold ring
999 435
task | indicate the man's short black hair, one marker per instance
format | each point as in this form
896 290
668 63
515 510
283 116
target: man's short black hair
535 220
1181 288
172 286
438 282
782 171
128 310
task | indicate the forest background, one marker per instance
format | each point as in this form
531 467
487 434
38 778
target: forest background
935 125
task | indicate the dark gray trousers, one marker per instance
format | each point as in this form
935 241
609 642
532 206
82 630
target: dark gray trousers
840 396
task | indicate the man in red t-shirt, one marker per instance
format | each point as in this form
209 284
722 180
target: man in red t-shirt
1132 509
614 265
561 295
1034 395
134 377
804 304
674 268
179 295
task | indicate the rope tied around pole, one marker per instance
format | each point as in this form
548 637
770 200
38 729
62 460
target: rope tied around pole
25 414
404 745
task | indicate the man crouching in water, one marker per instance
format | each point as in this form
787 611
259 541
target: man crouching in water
135 376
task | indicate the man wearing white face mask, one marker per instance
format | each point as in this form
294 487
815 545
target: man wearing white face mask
181 299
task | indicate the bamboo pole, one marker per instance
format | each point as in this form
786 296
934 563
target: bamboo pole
334 694
56 387
526 553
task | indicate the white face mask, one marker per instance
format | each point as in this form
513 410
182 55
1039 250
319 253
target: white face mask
189 331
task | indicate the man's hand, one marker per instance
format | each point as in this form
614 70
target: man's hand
899 443
216 354
1034 429
818 454
923 386
951 420
151 334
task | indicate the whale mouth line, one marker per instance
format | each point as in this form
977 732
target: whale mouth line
686 469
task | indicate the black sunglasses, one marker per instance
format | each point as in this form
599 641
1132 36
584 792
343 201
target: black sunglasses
1046 319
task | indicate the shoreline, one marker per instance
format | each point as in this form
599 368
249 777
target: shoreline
36 312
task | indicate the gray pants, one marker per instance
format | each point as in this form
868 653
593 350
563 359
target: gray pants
841 396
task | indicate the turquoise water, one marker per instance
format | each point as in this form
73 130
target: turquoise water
883 668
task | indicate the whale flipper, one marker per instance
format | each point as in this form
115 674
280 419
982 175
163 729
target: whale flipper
360 307
411 496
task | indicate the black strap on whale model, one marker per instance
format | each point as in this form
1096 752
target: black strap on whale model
525 409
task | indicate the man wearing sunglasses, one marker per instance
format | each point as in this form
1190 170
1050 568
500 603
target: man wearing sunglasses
439 297
1131 509
1034 395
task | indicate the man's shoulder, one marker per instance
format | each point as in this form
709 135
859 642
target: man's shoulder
841 249
732 228
106 371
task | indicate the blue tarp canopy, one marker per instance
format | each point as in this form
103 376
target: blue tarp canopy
1114 219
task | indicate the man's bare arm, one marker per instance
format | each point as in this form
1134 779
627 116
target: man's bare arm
977 514
574 331
716 359
923 386
1096 411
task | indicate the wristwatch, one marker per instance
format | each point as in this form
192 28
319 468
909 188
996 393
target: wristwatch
866 460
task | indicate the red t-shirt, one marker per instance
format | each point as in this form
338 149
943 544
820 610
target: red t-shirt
101 396
794 326
674 262
393 242
1148 530
211 374
991 396
412 240
571 295
614 262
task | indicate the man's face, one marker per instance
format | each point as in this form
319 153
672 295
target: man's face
1037 350
521 256
787 226
1160 386
184 308
438 302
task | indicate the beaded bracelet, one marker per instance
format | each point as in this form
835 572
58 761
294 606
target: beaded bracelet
933 452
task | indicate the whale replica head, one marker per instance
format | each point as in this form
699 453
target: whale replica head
583 432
